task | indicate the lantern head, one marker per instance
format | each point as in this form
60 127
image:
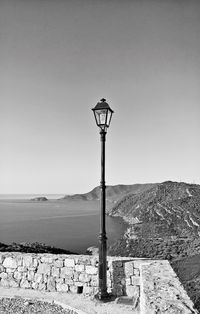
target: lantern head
103 114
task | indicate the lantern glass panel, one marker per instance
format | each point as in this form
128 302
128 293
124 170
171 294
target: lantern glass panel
109 116
101 116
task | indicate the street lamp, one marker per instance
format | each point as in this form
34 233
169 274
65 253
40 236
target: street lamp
103 114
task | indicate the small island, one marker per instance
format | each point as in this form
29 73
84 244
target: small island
39 199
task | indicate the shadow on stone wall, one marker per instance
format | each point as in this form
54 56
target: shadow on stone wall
126 280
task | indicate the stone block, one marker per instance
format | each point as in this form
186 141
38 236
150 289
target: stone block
109 283
45 278
38 278
128 269
84 277
44 268
34 285
136 272
76 276
31 275
10 276
58 263
27 261
13 284
2 268
42 286
132 291
137 264
96 290
88 290
83 260
55 271
78 284
3 275
91 270
18 275
1 258
10 270
135 280
19 260
62 287
22 269
46 260
59 280
65 271
5 283
25 284
128 281
69 281
109 274
80 268
94 261
73 289
24 276
51 284
35 262
69 262
10 262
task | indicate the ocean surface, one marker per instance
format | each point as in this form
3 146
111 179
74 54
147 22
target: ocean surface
72 225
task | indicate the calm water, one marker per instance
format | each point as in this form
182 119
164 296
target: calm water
72 225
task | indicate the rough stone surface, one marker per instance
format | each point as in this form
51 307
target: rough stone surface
69 262
44 268
91 270
152 286
163 292
10 262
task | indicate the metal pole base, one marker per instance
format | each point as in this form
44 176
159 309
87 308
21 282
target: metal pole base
106 297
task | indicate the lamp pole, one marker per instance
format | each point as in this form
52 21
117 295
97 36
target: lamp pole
102 237
103 114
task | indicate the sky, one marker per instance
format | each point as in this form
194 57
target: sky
59 58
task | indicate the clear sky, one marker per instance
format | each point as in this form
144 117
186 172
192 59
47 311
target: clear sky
59 58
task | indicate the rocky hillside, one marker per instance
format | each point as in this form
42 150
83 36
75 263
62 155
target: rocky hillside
164 223
168 208
113 192
35 247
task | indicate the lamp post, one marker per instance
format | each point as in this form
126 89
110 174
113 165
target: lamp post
103 114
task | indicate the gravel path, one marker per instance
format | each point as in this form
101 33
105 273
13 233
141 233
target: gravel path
27 306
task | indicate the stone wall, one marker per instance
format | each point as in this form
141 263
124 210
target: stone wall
152 285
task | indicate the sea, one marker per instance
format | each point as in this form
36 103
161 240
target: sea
69 224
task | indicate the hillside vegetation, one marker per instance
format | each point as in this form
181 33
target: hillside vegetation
164 223
168 207
113 192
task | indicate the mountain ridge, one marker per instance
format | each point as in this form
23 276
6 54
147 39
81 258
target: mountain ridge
113 192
